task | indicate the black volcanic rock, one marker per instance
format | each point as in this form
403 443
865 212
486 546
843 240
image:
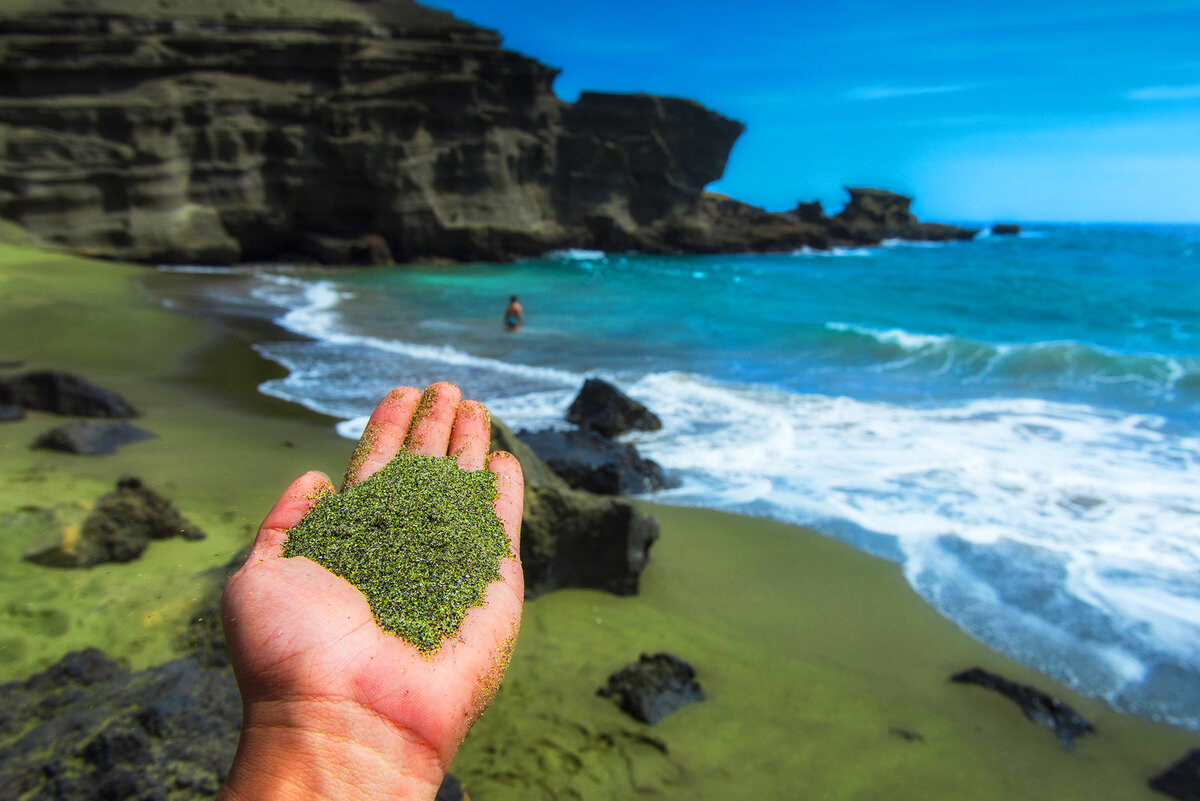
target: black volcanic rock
86 728
1006 229
603 408
63 393
653 687
588 461
1037 706
572 538
10 413
88 438
1181 780
120 528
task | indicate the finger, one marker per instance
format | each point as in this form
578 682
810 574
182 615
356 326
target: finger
510 495
294 504
471 434
429 434
383 436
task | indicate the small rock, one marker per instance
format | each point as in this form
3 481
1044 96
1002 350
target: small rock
1005 229
10 413
603 408
1037 706
91 439
653 687
63 393
1181 780
906 735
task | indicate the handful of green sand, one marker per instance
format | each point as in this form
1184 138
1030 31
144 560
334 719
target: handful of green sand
419 538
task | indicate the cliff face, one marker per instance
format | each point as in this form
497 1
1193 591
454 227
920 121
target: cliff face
211 140
348 131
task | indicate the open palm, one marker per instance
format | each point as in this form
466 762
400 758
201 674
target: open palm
305 647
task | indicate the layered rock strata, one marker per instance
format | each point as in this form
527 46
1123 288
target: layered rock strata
216 139
343 131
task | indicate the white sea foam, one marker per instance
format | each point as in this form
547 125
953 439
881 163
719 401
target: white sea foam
1086 490
896 336
576 254
316 316
913 243
196 269
833 252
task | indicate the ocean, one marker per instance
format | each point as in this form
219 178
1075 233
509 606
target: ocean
1013 420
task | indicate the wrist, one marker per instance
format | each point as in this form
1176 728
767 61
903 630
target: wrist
327 748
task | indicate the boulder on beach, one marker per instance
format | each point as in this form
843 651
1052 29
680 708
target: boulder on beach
591 462
653 687
87 728
1181 780
608 411
1040 708
87 438
571 538
10 413
63 393
119 528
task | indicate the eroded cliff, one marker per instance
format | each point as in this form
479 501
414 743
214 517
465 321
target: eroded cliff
170 137
343 131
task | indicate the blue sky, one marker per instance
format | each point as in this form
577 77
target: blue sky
1024 110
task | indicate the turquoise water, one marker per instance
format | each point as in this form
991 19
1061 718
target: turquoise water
1015 420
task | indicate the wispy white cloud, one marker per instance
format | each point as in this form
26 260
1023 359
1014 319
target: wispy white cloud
1165 93
888 92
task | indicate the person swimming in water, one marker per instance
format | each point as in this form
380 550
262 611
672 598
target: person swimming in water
514 315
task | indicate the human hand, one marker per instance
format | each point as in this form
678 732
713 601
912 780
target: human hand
333 706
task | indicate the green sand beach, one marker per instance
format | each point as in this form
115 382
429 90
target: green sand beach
825 675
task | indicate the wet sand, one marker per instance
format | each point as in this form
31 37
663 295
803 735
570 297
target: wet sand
826 676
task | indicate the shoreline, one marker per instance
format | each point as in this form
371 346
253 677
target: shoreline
810 652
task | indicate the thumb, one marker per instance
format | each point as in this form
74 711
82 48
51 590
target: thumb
293 505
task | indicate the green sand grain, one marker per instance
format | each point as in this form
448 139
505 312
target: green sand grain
420 539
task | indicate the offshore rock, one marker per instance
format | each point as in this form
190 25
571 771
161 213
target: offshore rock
571 538
87 438
1181 780
653 687
63 393
1037 706
720 224
873 215
120 528
608 411
591 462
1006 229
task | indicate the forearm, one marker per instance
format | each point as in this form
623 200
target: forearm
327 750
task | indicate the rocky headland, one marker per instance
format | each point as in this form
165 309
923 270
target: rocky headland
357 131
